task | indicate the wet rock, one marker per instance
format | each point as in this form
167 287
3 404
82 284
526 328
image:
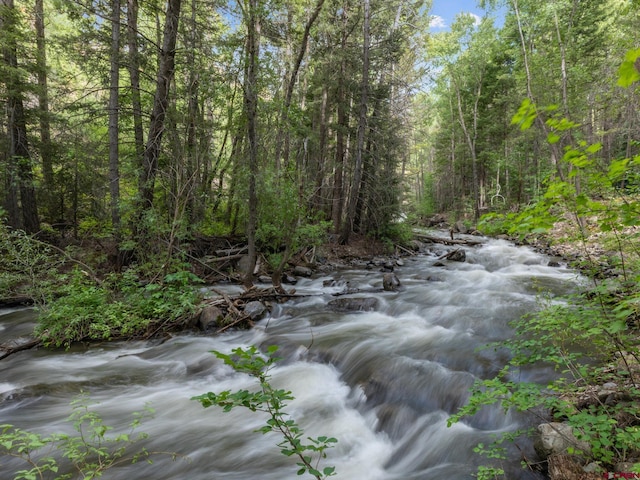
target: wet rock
553 263
390 282
354 304
555 438
387 267
460 227
256 310
290 279
210 318
415 245
264 279
302 271
457 256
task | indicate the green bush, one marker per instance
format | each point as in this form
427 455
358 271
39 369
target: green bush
117 308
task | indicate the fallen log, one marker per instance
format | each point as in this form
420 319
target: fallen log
447 241
18 347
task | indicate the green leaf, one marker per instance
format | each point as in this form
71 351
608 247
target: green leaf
628 72
553 138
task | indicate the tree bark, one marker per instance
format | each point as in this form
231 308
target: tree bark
341 133
134 77
114 111
19 159
46 147
251 108
283 130
166 70
354 194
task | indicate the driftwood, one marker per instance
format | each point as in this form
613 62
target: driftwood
448 241
452 254
11 349
231 251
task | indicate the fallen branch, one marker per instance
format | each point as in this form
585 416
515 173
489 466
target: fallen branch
448 241
19 348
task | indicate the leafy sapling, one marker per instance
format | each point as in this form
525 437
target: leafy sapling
271 401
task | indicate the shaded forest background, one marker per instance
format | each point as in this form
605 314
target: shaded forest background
149 123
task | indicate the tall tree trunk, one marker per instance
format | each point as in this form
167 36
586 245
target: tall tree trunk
251 108
19 159
283 130
471 138
46 147
134 77
114 110
192 165
362 125
166 70
556 154
341 132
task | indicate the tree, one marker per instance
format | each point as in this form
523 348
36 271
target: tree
348 225
114 112
252 19
166 71
23 213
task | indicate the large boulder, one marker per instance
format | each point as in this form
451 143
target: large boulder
210 318
390 282
354 304
557 438
256 310
302 271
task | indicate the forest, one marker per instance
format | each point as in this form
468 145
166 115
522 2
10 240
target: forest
134 131
150 123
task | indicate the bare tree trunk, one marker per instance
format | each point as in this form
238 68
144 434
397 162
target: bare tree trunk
134 76
556 154
343 121
362 125
166 70
283 130
471 137
251 107
114 111
46 147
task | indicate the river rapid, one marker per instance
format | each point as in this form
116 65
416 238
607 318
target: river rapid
382 382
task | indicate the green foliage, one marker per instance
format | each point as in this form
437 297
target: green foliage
589 339
575 338
628 72
117 308
285 225
27 265
394 233
90 452
273 402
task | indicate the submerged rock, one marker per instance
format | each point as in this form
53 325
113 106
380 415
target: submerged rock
355 304
390 282
256 310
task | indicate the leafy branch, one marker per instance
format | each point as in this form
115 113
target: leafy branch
271 401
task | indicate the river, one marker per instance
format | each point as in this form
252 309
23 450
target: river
382 382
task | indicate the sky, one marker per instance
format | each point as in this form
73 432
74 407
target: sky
444 11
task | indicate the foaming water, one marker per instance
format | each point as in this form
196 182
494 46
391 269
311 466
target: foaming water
383 382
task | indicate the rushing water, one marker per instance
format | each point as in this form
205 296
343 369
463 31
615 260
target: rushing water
383 382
